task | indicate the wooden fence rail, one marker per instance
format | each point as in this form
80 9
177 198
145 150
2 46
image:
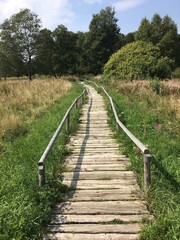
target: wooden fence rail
146 153
65 120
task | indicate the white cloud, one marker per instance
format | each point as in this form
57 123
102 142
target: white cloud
51 12
126 4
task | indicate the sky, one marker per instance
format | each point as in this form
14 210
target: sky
76 15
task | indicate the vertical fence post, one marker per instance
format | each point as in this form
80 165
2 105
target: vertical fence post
67 123
147 171
77 104
117 126
41 169
81 100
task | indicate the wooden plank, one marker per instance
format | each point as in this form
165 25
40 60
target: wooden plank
108 207
98 162
97 155
63 219
99 175
103 236
98 167
101 156
99 195
101 184
94 145
96 228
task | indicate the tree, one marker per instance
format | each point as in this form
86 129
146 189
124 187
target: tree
103 38
144 32
82 47
162 32
138 60
64 57
18 35
45 51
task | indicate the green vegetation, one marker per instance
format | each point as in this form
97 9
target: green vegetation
138 60
161 32
176 73
57 52
24 206
154 119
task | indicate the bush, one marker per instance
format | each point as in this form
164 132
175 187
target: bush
138 60
176 73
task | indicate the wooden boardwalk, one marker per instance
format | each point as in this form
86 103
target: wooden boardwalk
104 202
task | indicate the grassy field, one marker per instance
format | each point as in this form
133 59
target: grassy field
22 101
151 111
29 116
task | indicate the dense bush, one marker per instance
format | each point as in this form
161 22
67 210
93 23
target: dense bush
138 60
176 73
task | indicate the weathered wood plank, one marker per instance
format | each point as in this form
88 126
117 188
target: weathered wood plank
100 195
65 219
98 167
96 228
128 185
99 175
103 236
108 207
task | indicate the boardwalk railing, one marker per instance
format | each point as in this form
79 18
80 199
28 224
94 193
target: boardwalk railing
146 153
66 120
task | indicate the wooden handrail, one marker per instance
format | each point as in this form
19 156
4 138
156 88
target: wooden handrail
146 153
66 118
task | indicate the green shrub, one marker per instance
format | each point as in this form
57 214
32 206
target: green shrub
176 73
138 60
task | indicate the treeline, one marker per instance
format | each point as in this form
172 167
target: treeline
27 49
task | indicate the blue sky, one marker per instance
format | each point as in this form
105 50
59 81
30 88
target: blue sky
76 15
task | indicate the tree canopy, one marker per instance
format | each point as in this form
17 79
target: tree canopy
162 32
26 49
103 38
18 36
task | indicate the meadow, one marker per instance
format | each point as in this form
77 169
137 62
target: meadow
151 111
29 116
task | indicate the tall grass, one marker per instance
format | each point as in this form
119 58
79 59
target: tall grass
22 101
24 206
153 117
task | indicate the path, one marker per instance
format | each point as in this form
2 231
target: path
105 201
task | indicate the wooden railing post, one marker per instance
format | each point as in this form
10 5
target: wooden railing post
41 169
67 123
117 126
77 104
147 171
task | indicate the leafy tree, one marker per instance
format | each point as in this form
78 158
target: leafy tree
18 36
145 31
129 38
103 38
157 29
161 32
82 48
64 57
45 50
138 60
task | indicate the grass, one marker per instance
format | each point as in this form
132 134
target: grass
24 206
153 117
22 101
